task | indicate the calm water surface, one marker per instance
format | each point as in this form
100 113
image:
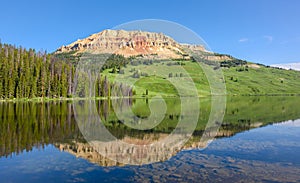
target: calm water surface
258 141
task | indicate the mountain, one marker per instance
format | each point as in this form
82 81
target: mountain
149 50
127 43
293 66
131 43
149 59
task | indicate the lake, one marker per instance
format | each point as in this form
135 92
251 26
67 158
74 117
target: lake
253 139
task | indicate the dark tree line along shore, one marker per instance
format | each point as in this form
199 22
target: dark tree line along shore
30 74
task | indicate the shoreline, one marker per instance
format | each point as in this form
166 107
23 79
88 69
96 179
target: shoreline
46 99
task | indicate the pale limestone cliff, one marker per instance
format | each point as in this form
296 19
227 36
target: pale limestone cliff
127 43
139 43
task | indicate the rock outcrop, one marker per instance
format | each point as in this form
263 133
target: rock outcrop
139 43
127 43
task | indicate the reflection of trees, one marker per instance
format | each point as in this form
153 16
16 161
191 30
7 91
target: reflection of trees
28 124
25 125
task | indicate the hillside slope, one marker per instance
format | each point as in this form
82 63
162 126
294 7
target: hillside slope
156 61
153 61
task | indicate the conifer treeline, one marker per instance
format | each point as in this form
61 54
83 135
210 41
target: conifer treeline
29 74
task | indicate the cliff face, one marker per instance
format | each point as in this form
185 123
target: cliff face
127 43
134 43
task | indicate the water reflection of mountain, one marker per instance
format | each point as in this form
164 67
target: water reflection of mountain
86 151
26 125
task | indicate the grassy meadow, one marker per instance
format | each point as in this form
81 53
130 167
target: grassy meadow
169 78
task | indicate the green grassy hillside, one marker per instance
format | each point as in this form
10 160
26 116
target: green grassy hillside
26 74
168 78
263 80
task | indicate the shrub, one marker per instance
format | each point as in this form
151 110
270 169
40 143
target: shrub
136 74
144 74
121 71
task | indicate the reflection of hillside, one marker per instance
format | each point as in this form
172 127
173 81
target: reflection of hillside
138 154
28 124
85 151
156 153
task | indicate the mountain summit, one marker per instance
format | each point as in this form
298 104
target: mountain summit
129 43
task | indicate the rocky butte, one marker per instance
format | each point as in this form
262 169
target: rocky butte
131 43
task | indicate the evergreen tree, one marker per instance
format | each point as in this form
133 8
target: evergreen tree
27 74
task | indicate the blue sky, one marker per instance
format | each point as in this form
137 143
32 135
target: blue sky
264 31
